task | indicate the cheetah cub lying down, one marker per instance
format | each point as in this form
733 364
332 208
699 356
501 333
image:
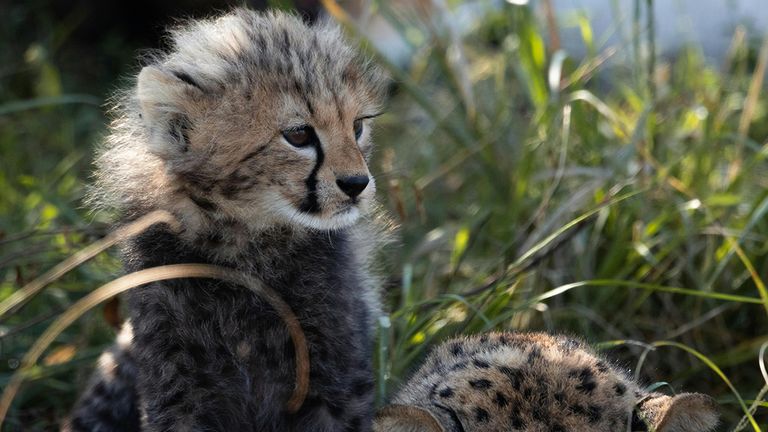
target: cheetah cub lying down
534 382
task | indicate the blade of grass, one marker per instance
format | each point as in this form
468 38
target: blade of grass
385 326
757 216
517 265
156 274
751 269
614 283
755 88
31 289
718 371
29 104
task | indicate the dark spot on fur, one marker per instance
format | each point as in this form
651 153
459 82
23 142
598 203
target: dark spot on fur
178 128
515 375
500 400
311 403
482 364
527 392
286 40
170 349
197 180
516 420
534 354
446 392
459 366
197 352
186 78
214 239
100 389
480 384
253 154
586 379
349 74
203 203
620 389
457 425
355 425
481 415
539 413
310 108
299 89
594 413
337 102
362 387
457 349
171 399
335 410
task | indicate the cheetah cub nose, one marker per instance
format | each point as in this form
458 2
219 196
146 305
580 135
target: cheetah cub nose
353 185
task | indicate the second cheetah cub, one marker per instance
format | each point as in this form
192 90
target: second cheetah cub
534 382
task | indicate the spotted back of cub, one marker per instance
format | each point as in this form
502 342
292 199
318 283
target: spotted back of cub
534 382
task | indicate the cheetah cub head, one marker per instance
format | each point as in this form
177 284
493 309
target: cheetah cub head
534 383
258 118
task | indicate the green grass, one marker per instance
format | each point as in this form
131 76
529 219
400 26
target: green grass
533 190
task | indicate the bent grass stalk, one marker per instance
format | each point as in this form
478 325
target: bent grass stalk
31 289
761 394
704 359
156 274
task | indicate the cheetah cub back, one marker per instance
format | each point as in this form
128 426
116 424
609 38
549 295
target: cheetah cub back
534 382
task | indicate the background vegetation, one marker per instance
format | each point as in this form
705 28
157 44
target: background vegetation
621 197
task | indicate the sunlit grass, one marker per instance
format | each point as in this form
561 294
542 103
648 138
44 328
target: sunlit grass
517 225
616 197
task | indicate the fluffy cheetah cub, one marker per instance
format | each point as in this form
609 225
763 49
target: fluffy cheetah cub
254 131
533 383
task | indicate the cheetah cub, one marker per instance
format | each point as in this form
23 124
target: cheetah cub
254 130
534 382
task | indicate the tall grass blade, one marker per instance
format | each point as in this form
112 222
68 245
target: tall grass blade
157 274
717 371
29 290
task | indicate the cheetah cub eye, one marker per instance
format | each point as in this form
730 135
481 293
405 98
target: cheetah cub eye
301 136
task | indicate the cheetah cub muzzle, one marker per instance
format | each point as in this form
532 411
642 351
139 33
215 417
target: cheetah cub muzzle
534 382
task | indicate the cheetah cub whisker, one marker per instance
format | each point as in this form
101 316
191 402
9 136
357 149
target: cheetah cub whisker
254 131
534 382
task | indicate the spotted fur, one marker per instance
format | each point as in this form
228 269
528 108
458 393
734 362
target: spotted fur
534 382
204 134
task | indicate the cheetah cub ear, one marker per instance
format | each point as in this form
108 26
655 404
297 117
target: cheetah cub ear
167 99
405 418
686 412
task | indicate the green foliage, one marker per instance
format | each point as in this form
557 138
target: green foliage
607 196
566 194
